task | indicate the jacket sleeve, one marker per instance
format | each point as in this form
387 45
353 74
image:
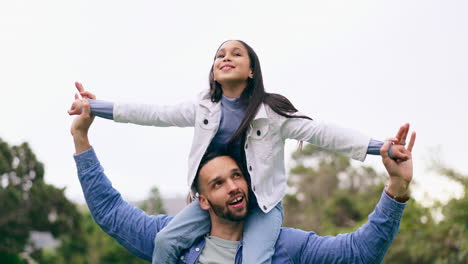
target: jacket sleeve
102 108
368 244
181 115
346 141
129 225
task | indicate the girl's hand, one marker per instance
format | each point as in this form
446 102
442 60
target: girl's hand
77 105
83 93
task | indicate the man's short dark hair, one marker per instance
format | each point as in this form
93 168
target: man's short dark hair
196 187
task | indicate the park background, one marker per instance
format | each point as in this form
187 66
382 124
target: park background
366 65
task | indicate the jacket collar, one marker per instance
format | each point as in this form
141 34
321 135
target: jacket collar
261 112
206 102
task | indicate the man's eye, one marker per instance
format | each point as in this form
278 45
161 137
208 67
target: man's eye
237 175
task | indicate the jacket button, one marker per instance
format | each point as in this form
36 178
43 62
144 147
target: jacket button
205 121
264 207
197 249
259 133
250 168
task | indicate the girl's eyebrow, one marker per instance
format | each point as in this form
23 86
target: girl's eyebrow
233 49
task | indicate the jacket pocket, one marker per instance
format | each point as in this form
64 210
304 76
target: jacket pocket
206 119
259 129
260 140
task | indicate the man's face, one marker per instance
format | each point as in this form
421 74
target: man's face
224 189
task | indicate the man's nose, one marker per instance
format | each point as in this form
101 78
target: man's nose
232 186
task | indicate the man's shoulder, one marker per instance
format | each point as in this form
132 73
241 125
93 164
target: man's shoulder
292 239
290 234
162 220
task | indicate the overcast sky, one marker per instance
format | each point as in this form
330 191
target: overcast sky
366 65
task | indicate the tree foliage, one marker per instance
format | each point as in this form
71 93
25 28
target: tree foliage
329 196
28 203
153 205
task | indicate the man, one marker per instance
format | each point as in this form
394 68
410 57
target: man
223 192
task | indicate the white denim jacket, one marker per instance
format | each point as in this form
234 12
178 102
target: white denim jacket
264 145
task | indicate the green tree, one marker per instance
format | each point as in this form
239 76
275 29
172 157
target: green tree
330 196
28 203
153 205
93 246
423 240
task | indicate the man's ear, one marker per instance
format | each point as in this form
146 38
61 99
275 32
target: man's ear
204 204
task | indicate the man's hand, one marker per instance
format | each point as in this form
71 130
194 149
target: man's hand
399 151
400 171
80 127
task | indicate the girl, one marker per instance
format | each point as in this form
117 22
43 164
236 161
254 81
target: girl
237 115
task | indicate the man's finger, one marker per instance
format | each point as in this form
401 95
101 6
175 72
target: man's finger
384 149
400 153
400 133
412 140
77 96
404 133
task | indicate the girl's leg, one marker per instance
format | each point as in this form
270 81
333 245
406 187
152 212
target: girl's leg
260 234
180 234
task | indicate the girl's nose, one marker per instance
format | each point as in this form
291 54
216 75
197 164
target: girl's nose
227 58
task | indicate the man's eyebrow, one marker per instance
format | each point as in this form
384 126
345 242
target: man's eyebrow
214 179
218 177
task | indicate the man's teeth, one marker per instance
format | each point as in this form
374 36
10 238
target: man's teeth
238 199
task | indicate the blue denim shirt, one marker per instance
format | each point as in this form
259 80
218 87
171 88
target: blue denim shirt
136 231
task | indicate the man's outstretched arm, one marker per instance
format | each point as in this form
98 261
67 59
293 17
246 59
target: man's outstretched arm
369 243
129 225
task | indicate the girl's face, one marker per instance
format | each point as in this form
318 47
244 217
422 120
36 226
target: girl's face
232 63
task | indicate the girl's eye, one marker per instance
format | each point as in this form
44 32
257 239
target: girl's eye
220 56
237 54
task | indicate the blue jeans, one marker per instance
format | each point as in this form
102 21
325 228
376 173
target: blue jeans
260 234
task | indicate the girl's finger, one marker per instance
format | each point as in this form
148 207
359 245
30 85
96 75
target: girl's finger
79 86
88 95
384 149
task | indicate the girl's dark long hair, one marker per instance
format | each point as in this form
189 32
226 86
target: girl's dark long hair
253 96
